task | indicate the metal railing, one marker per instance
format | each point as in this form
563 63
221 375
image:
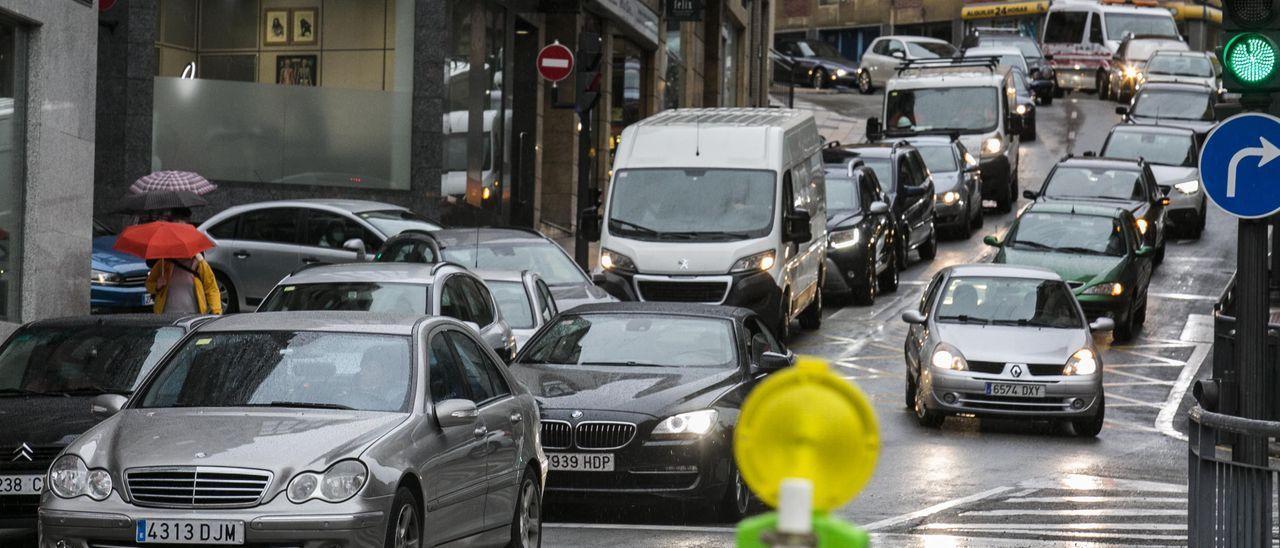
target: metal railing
1229 503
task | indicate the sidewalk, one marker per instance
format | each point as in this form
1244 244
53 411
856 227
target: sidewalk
832 125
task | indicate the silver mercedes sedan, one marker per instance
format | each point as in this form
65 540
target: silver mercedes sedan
308 429
1004 341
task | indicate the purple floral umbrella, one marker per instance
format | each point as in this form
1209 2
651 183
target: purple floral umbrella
173 180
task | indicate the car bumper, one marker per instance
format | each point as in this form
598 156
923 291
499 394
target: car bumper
113 522
1076 78
1042 88
650 470
109 297
963 392
846 269
754 290
1185 209
995 175
1097 306
947 216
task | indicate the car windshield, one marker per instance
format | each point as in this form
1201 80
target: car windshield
1170 104
540 256
938 158
692 204
395 221
842 194
817 48
1027 46
1067 233
1157 148
1180 65
1095 182
388 298
636 340
1011 301
925 109
930 50
303 369
513 302
92 359
1120 24
883 169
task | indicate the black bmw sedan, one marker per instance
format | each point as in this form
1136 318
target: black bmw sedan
639 401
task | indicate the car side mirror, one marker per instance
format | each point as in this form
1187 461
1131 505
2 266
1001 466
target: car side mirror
874 131
770 362
1122 110
451 413
589 223
878 208
899 54
991 240
106 405
356 245
1090 154
1145 251
913 316
473 325
798 228
1103 324
1030 194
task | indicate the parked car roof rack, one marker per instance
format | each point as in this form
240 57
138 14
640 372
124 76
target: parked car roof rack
989 62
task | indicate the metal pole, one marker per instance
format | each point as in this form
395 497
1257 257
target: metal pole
1252 314
581 248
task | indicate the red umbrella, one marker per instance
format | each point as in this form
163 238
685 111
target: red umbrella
161 240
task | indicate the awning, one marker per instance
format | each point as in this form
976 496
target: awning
1003 9
1195 12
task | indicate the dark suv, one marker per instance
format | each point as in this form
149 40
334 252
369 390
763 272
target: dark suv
907 184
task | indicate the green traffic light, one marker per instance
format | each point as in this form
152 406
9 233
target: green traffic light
1251 57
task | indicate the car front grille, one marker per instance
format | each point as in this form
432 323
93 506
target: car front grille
682 292
14 458
996 368
604 435
992 368
196 487
556 435
1046 369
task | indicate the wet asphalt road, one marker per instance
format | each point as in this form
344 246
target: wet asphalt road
999 483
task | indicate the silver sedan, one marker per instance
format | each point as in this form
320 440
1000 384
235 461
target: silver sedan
1003 341
308 429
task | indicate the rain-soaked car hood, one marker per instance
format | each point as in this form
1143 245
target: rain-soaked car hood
842 219
655 391
1072 267
945 180
1005 344
1168 175
282 440
44 420
568 296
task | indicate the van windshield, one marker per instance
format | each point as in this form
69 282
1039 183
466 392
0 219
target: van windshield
692 204
1065 27
1120 24
933 109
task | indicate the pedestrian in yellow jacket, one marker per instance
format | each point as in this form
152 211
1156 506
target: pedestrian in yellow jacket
184 286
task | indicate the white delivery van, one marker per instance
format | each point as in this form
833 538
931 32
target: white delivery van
721 206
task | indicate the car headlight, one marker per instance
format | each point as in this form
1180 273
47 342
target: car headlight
841 72
694 424
612 260
946 356
1130 71
1083 362
760 261
1143 225
103 277
1112 289
949 197
1020 109
1188 187
992 145
845 238
69 478
339 483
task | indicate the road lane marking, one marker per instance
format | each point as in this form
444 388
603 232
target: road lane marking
1095 500
1148 380
1164 420
1183 297
642 527
1032 527
1099 512
1135 401
926 512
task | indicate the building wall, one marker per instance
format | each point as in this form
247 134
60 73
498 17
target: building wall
60 134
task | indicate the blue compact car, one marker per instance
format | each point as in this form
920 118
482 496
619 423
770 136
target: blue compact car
119 280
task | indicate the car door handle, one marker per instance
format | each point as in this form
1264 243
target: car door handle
516 418
480 431
310 260
242 254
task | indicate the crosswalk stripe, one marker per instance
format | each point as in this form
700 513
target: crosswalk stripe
1093 500
1079 512
1045 527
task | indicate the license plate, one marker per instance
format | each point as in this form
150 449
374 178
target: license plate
1015 390
148 299
190 531
21 485
581 462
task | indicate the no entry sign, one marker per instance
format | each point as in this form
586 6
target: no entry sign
555 62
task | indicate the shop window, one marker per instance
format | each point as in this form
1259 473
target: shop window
304 92
12 180
729 50
674 96
477 119
627 93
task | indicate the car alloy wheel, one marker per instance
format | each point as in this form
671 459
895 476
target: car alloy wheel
406 532
737 499
864 83
528 533
819 78
227 295
924 415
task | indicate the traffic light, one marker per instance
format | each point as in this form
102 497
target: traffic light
587 57
1251 56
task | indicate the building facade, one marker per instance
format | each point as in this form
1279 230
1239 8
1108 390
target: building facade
47 66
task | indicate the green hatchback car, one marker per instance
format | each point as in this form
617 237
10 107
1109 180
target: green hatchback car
1097 250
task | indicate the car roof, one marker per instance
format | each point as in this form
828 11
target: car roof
1075 208
354 206
881 149
1100 162
943 76
330 321
501 275
982 51
1152 128
467 236
930 140
912 38
1004 271
122 320
679 309
409 273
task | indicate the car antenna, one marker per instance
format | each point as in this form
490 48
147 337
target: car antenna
697 133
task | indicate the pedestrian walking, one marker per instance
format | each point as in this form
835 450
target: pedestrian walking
180 279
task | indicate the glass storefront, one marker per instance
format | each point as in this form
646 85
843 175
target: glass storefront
296 93
729 48
675 66
627 94
12 179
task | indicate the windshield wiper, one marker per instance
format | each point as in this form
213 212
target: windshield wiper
626 364
95 391
304 405
710 234
634 226
1033 245
1024 323
965 318
1083 250
24 392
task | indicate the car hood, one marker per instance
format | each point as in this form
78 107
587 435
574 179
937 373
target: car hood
570 295
44 420
1005 344
106 258
841 219
654 391
1136 207
835 62
1167 175
1072 267
945 180
1198 126
284 441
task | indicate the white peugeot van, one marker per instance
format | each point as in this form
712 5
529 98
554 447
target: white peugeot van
722 206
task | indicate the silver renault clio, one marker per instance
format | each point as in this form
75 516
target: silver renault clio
308 429
1006 341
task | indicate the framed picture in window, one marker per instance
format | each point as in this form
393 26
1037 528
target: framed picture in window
305 27
276 28
297 70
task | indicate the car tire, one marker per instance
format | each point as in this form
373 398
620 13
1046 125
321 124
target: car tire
1140 316
866 294
782 326
865 86
965 230
819 79
735 504
404 528
889 278
909 394
979 220
1102 84
1004 203
1125 329
903 251
526 523
1058 92
230 299
1197 229
1090 427
811 316
1047 100
926 417
929 249
1030 134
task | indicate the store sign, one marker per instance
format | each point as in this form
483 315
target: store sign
1012 9
685 10
642 20
560 6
